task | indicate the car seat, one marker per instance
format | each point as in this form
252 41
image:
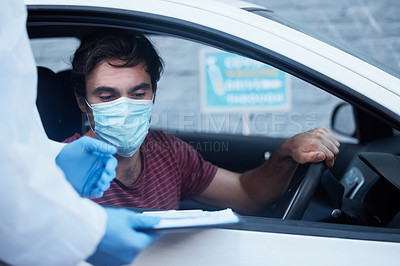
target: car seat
59 112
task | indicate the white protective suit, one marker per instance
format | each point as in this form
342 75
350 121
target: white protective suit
43 220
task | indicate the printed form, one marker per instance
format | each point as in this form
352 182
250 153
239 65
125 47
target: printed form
193 218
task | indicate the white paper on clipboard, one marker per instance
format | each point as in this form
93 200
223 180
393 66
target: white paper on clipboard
173 219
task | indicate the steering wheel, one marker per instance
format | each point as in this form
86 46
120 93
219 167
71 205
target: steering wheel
296 200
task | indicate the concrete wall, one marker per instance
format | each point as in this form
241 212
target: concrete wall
370 26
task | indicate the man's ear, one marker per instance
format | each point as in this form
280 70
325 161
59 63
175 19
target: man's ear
81 103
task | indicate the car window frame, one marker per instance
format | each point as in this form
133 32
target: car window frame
82 17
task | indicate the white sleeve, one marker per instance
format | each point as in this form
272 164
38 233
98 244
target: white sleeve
56 147
43 220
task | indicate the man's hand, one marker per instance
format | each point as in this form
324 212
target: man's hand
88 165
313 146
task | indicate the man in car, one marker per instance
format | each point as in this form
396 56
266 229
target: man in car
115 75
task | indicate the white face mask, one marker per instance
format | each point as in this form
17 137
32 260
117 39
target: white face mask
123 123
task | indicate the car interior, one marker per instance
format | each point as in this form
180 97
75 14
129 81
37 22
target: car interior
363 188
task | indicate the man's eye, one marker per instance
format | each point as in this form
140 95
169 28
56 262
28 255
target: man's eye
106 98
138 95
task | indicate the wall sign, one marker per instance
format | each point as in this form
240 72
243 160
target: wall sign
234 83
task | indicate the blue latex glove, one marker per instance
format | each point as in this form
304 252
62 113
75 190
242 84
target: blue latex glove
121 243
88 165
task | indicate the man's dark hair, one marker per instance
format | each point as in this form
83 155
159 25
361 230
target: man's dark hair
105 45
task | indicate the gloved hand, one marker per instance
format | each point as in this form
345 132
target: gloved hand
88 165
121 243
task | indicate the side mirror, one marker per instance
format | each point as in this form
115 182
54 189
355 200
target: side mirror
343 120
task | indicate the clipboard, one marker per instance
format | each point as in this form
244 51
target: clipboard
189 219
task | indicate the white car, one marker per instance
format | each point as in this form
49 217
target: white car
238 81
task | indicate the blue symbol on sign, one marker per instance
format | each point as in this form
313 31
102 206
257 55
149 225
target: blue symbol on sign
232 81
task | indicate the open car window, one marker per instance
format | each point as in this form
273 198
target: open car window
207 90
212 91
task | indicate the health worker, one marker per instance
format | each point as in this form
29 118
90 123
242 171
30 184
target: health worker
44 220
